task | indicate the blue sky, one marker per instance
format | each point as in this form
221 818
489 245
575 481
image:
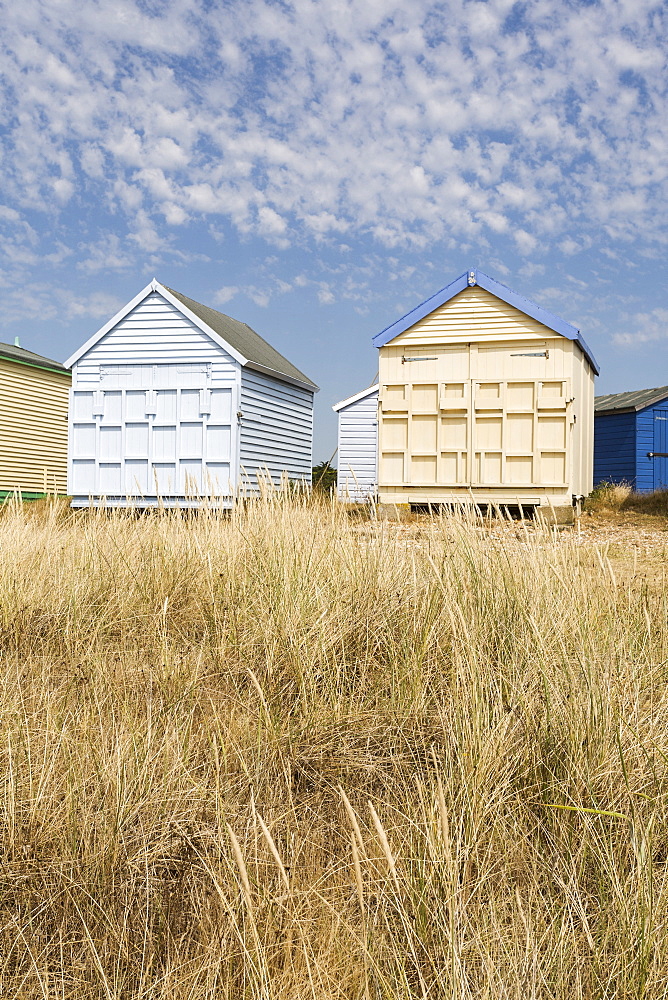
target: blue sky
316 168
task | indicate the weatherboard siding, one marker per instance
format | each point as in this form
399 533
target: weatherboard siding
154 331
615 448
358 449
474 314
582 428
623 443
276 430
33 428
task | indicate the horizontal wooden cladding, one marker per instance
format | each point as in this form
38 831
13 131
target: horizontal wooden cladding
473 311
33 428
615 448
358 449
154 329
276 428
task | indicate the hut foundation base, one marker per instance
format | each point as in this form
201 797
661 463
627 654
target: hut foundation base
393 511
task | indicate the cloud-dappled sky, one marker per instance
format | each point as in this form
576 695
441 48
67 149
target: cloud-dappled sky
318 167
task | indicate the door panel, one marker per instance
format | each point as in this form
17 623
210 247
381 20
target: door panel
475 433
191 477
110 478
136 477
110 443
660 461
140 441
136 440
523 441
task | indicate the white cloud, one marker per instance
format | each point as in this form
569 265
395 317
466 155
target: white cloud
358 118
526 243
225 294
270 222
97 305
9 214
107 254
643 327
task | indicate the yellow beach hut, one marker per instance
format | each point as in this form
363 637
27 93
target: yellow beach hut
484 397
34 397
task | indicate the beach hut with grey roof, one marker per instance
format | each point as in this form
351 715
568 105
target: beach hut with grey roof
631 439
173 402
34 393
357 446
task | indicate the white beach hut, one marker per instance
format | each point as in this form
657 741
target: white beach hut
357 472
173 401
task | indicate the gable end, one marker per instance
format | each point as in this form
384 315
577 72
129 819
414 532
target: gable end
470 279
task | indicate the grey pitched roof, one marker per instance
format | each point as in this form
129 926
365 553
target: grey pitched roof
636 400
12 353
243 339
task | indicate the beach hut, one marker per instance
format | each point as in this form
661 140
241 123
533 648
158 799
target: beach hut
34 393
173 401
631 439
484 397
357 473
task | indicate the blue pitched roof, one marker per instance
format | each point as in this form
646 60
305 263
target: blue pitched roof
475 277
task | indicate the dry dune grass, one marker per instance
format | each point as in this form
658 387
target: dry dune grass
274 756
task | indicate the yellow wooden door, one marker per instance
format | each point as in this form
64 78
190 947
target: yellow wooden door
519 432
424 418
471 433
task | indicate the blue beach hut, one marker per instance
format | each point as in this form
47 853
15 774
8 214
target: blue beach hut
631 439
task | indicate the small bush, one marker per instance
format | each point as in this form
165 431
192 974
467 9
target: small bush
324 477
609 496
649 503
622 497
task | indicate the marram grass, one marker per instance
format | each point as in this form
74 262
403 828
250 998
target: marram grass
286 754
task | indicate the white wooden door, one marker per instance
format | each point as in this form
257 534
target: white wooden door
170 439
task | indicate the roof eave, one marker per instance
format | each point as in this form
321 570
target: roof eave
203 326
354 399
526 306
92 341
60 370
588 354
281 376
423 309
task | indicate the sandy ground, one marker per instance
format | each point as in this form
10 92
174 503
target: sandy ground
619 535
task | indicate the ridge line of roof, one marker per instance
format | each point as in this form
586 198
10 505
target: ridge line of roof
254 348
